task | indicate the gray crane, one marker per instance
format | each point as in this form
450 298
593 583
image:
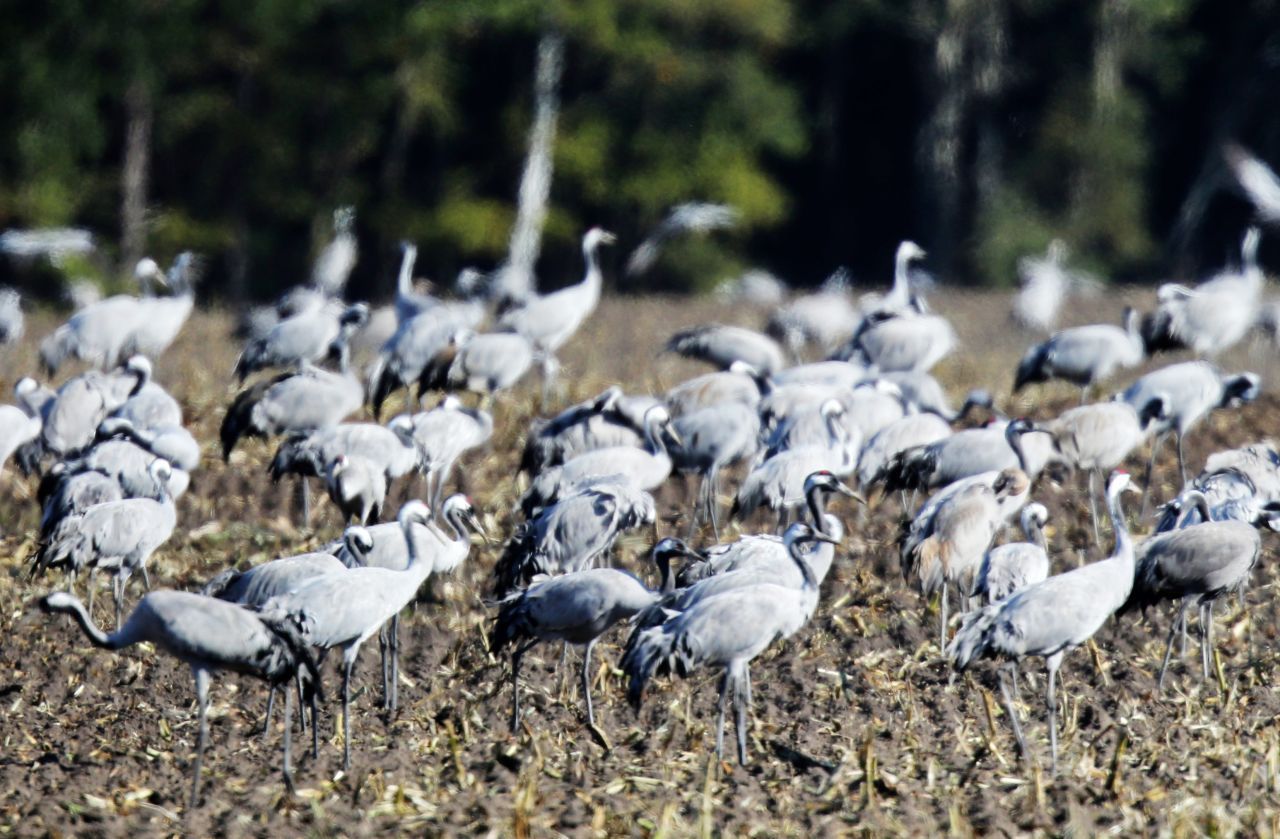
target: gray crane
576 608
129 465
1083 355
1051 618
1046 283
409 303
838 374
970 452
913 431
689 217
740 383
303 339
963 527
160 319
902 293
721 345
346 609
922 392
480 363
173 443
823 318
646 468
150 407
101 334
208 635
1190 390
1198 563
413 346
357 487
333 264
443 435
574 532
767 552
779 482
727 631
610 419
1216 314
71 419
1098 437
1259 183
1013 566
291 403
64 493
921 527
711 439
911 340
548 321
117 536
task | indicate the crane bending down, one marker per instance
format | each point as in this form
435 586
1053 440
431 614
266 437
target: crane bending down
345 609
576 608
1051 618
727 631
208 635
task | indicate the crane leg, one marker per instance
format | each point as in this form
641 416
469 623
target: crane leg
724 697
202 707
1151 468
384 652
304 494
942 620
586 681
1010 708
1206 637
741 693
117 590
713 496
395 661
1053 662
515 683
302 708
1182 463
348 665
1178 621
315 728
1093 505
146 577
287 767
271 701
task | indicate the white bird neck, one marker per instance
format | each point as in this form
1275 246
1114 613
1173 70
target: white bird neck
653 437
404 282
594 276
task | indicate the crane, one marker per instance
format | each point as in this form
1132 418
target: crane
1052 617
208 635
722 345
727 631
1083 355
1010 567
576 608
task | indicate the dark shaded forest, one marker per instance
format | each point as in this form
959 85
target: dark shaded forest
979 128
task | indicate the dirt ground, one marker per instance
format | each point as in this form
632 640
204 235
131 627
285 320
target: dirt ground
856 726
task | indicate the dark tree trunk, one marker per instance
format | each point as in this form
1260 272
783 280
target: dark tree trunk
135 174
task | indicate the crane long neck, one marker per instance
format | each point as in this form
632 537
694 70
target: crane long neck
1124 544
1014 437
653 438
901 291
668 578
96 635
594 276
816 500
806 570
404 281
414 559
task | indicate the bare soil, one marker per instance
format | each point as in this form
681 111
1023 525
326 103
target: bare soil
856 727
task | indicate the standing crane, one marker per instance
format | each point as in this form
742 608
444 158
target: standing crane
1014 566
208 635
721 346
1083 355
1199 563
727 631
1051 618
576 608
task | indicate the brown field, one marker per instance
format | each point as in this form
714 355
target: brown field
855 727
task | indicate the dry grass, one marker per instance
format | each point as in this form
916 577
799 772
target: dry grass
855 726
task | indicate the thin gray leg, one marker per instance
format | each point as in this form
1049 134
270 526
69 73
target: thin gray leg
1206 636
1178 620
1010 708
1052 663
515 683
1093 505
271 701
348 664
586 680
288 739
724 697
740 689
202 706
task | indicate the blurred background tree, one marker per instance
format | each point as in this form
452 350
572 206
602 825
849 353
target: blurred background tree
979 128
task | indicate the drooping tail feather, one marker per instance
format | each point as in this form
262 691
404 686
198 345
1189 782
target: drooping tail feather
650 654
972 640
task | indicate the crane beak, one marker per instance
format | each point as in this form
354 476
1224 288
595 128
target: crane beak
845 490
475 523
822 537
675 435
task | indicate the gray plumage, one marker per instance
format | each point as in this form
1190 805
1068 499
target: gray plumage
208 635
357 487
779 482
150 407
12 321
921 526
1216 314
129 464
574 532
1013 566
1201 562
690 217
1051 618
344 609
912 431
740 383
443 435
597 423
71 420
409 303
905 341
101 334
392 448
973 451
303 339
480 363
413 346
721 345
290 403
72 493
160 319
821 319
646 468
710 440
905 283
576 608
118 536
1046 283
727 631
1189 390
18 428
1083 355
335 261
834 374
172 443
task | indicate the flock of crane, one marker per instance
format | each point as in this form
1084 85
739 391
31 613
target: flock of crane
115 459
